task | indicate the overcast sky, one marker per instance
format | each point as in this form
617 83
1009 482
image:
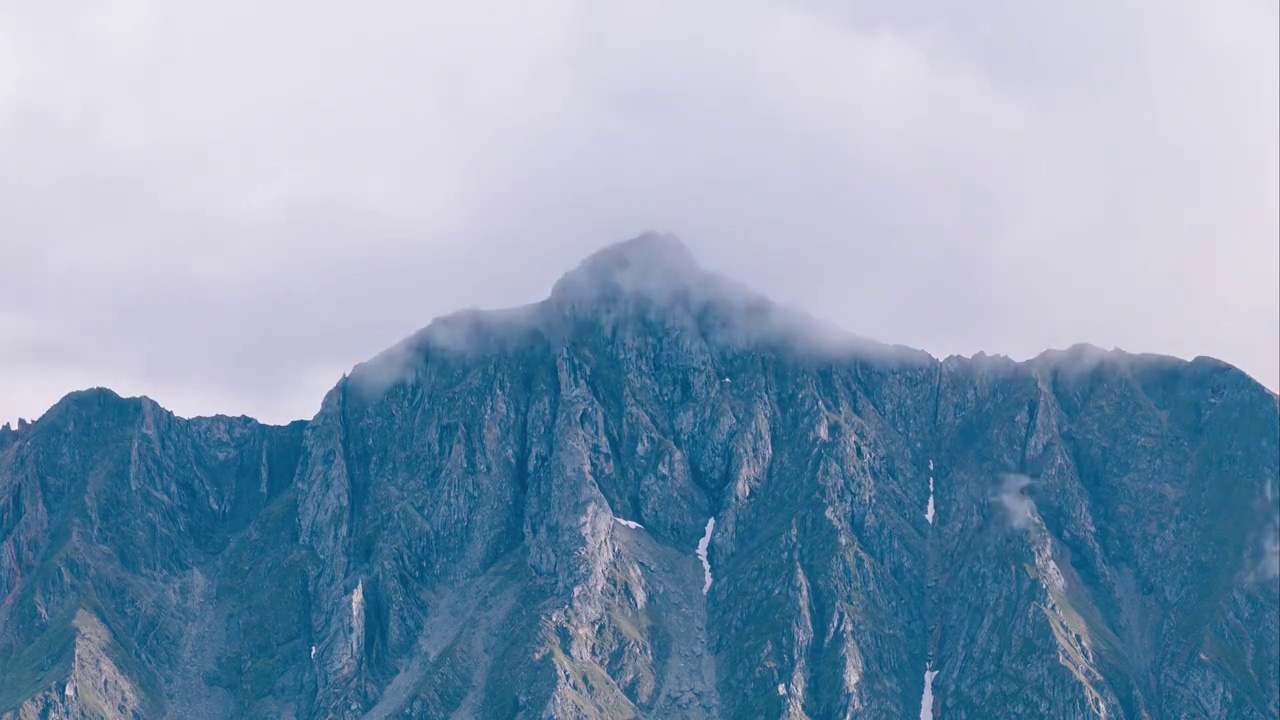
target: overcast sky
226 205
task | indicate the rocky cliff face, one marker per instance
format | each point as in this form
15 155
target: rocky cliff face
656 495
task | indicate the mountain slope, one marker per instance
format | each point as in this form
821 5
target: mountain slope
656 494
117 521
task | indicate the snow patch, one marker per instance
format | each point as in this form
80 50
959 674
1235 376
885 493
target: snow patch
926 702
357 604
357 620
702 554
930 466
782 689
313 652
928 513
629 523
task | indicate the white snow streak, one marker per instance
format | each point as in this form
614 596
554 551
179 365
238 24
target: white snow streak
926 702
782 689
629 523
702 554
357 620
928 513
357 604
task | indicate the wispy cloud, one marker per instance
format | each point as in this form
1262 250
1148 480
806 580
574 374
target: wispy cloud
1019 508
1269 563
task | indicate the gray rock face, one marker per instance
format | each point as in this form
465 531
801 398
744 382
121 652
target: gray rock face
656 495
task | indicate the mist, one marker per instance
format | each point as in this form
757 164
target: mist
228 206
1019 508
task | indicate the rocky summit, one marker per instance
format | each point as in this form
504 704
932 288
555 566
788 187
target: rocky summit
656 494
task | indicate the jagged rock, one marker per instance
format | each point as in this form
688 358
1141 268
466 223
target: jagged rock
658 495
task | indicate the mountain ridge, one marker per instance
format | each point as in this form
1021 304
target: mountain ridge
1045 358
642 507
635 268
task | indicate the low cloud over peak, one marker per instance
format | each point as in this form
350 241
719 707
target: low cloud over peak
227 215
655 265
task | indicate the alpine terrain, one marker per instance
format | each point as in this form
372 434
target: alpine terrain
656 494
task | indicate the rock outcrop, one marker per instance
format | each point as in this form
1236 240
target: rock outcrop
656 495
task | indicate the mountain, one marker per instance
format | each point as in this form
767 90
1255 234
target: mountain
656 494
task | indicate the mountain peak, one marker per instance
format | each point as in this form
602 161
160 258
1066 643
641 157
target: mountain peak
654 265
649 250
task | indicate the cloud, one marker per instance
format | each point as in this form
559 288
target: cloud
1264 556
1269 564
225 206
1269 568
1018 506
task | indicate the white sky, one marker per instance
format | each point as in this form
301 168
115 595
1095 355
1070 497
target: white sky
226 205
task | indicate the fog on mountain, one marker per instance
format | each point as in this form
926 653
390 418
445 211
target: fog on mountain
656 494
